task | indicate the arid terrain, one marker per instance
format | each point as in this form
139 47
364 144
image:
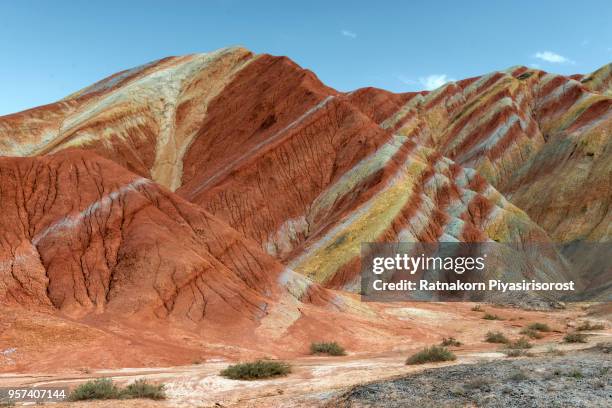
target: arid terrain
326 381
210 208
579 380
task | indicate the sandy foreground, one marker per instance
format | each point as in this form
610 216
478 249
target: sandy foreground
314 380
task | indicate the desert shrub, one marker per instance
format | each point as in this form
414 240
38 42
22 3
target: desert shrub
256 370
532 334
543 327
143 389
489 316
496 337
458 391
521 343
98 389
331 348
517 353
431 355
477 308
518 375
477 383
104 388
555 352
450 342
575 374
575 338
588 326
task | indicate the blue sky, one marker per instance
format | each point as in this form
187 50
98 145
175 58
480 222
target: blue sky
49 49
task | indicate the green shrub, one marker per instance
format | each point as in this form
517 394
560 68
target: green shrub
531 333
575 338
143 389
543 327
98 389
489 316
104 388
496 337
521 343
588 326
331 348
575 374
450 342
431 355
256 370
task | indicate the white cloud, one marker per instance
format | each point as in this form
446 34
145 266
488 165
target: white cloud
348 34
434 81
406 80
552 57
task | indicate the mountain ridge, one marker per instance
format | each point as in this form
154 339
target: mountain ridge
253 185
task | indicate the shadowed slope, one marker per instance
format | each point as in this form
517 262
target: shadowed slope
81 234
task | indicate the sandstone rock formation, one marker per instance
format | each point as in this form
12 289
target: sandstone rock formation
228 187
81 234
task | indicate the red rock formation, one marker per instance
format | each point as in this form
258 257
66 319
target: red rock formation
205 187
81 235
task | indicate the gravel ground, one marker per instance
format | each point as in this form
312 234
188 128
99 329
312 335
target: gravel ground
580 379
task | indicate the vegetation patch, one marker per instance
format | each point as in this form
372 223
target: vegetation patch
98 389
489 316
496 337
477 308
143 389
431 354
518 375
517 353
256 370
589 326
521 343
554 351
331 348
104 388
478 383
532 334
543 327
450 342
575 338
575 373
